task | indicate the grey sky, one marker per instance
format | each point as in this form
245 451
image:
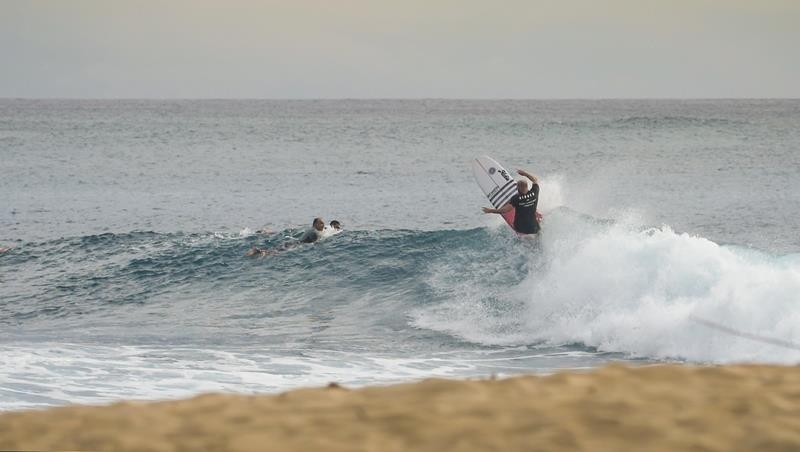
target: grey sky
399 49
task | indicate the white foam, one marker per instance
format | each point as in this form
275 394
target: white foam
52 374
246 232
329 231
622 289
553 186
637 292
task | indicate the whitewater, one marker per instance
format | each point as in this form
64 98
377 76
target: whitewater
669 234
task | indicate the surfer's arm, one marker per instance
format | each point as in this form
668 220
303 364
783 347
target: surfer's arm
504 209
530 176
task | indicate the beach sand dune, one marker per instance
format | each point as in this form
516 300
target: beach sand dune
615 408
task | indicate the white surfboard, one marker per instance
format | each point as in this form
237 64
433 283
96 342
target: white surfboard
496 183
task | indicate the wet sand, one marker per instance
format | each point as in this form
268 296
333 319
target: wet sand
615 408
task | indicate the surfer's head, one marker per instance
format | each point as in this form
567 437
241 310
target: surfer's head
522 187
318 224
336 225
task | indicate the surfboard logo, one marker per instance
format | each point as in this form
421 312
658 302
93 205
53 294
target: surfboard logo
503 173
492 170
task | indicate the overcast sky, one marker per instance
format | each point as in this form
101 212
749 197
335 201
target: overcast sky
400 48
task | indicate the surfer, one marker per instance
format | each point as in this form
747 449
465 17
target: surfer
310 236
313 234
525 201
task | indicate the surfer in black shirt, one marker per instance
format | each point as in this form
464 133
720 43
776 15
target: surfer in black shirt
525 201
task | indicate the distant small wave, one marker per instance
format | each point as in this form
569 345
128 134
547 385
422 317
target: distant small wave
673 121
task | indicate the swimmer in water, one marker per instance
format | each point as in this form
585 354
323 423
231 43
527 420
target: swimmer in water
313 234
310 236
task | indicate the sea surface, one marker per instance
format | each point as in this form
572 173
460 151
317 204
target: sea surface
670 234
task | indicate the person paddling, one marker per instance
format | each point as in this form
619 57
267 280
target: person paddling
309 236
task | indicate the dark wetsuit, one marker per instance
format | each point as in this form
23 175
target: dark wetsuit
525 216
310 236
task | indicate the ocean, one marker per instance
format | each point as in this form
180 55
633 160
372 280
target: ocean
669 235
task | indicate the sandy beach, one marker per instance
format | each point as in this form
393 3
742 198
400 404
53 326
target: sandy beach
669 408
